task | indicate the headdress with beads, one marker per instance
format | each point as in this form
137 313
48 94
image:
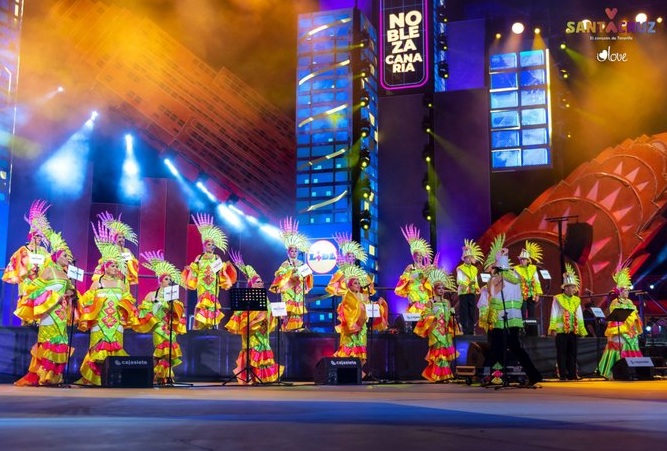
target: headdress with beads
531 251
117 227
249 272
347 245
417 244
290 236
437 275
209 231
105 242
37 220
472 249
623 279
154 260
570 276
495 258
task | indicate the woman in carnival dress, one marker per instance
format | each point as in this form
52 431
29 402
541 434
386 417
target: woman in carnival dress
120 233
413 283
288 281
170 317
106 309
439 325
207 274
254 328
622 337
20 270
48 301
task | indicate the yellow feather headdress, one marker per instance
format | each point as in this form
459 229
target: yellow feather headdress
290 236
348 247
209 231
249 272
117 227
492 259
437 275
105 242
623 279
570 276
472 249
37 219
417 244
155 262
531 251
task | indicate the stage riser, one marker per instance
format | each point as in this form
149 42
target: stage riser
211 355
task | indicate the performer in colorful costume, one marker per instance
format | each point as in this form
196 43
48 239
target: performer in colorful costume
120 233
500 312
20 270
169 316
622 337
289 281
566 324
467 285
48 301
106 309
352 309
531 289
413 283
207 274
439 325
255 345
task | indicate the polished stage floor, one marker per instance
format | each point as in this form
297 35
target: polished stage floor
582 415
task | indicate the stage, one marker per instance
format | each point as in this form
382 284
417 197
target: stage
209 356
580 415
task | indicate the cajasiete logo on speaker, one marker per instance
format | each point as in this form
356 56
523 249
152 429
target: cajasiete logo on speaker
344 362
119 362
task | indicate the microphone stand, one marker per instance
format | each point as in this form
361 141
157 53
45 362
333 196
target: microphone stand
370 377
70 335
170 382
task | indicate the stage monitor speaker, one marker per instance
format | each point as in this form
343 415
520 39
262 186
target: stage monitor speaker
633 369
477 352
338 371
128 372
578 242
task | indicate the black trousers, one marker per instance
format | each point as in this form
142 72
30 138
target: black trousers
566 355
500 342
467 309
528 312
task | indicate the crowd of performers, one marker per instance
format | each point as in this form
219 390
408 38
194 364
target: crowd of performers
49 299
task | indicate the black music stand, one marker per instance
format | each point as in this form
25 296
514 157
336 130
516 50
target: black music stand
370 377
247 300
618 316
170 382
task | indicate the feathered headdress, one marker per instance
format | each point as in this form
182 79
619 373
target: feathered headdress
354 272
117 227
623 279
417 244
209 231
531 251
57 243
155 262
570 276
494 258
472 249
437 275
348 247
290 236
249 272
37 220
105 242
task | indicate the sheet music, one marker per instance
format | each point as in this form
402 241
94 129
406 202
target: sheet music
75 273
36 259
216 265
545 274
171 293
278 309
485 276
597 312
372 310
127 256
411 317
304 270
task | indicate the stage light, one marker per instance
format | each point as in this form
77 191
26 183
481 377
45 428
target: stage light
426 212
563 46
659 20
364 71
232 199
200 183
271 230
364 188
171 167
364 39
517 28
427 100
441 41
427 153
364 158
61 89
364 98
537 30
427 125
426 183
498 35
641 18
652 287
229 216
365 219
364 128
443 69
441 13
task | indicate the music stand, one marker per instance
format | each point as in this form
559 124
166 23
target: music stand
618 316
170 295
372 312
247 300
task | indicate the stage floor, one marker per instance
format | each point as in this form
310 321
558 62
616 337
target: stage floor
582 415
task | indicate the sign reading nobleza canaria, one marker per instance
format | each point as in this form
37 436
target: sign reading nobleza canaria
403 47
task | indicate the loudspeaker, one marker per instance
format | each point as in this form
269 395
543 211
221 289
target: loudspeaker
338 371
578 241
128 372
477 352
633 369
